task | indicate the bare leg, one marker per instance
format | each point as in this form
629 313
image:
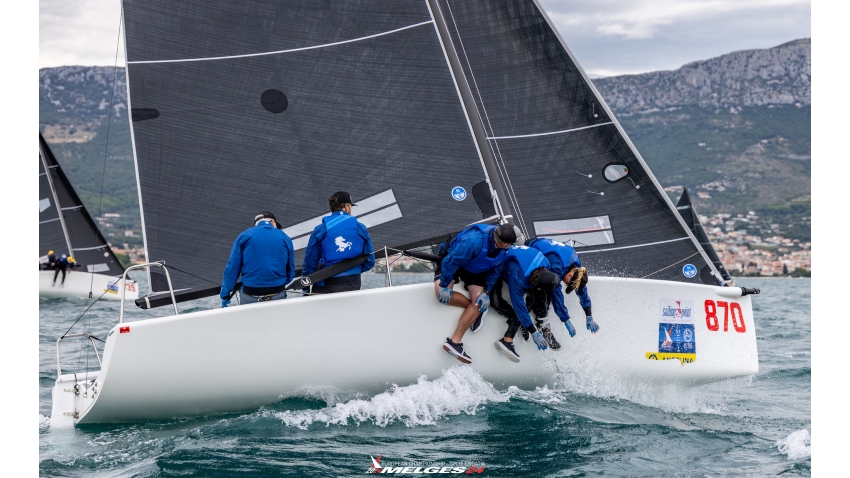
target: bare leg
457 300
469 313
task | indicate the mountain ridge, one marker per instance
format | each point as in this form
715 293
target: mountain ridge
735 127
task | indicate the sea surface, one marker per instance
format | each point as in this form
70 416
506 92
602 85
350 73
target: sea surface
754 426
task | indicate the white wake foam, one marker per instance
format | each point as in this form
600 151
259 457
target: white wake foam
459 390
797 445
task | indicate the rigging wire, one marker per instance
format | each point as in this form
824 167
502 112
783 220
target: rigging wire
106 148
497 153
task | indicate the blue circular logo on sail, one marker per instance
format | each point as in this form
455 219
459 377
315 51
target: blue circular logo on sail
689 270
459 193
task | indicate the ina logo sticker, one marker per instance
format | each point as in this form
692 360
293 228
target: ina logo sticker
689 271
459 193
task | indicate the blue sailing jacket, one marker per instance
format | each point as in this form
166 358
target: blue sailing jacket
520 262
263 255
474 250
561 257
340 236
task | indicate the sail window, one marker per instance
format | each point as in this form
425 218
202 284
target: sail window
587 231
43 204
274 101
97 268
615 172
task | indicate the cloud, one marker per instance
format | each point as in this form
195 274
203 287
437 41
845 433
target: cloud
612 37
79 32
608 37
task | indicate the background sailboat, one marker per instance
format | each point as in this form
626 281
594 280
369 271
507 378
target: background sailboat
65 227
689 214
434 115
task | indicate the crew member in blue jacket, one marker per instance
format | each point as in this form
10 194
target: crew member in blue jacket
263 255
340 236
474 256
530 282
567 265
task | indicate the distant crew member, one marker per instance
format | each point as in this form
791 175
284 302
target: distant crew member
474 256
60 265
50 263
340 236
263 255
530 283
566 263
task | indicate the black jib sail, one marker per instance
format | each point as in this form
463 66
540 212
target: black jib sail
567 166
240 107
64 223
689 214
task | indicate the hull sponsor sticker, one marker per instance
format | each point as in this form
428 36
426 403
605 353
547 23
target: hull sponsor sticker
676 332
111 288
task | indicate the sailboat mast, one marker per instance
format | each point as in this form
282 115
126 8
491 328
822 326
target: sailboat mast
55 198
474 120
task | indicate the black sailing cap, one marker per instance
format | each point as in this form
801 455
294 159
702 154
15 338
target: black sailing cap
341 197
506 233
266 215
547 280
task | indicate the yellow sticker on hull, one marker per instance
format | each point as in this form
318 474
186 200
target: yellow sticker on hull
684 358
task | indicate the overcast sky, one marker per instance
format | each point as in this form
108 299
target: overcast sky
608 37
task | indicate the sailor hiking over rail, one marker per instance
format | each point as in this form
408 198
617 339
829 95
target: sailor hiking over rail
567 265
474 256
530 283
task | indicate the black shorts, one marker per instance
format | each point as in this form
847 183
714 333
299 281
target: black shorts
464 275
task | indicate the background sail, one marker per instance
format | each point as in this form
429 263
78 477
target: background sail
91 250
569 171
50 234
689 214
304 99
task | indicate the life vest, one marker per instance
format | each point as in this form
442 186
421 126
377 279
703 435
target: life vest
342 240
565 252
529 260
482 262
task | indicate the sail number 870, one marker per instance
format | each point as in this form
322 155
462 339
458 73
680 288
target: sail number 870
729 308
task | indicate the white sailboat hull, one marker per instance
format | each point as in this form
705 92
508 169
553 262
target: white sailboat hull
243 357
78 284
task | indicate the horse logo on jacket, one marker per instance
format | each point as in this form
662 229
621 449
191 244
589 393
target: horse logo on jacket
341 244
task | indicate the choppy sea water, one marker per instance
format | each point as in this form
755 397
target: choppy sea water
758 425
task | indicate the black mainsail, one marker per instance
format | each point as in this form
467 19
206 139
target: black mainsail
274 106
689 214
420 109
64 225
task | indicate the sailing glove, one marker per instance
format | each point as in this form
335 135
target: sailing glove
539 340
483 301
570 328
445 295
591 325
225 302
